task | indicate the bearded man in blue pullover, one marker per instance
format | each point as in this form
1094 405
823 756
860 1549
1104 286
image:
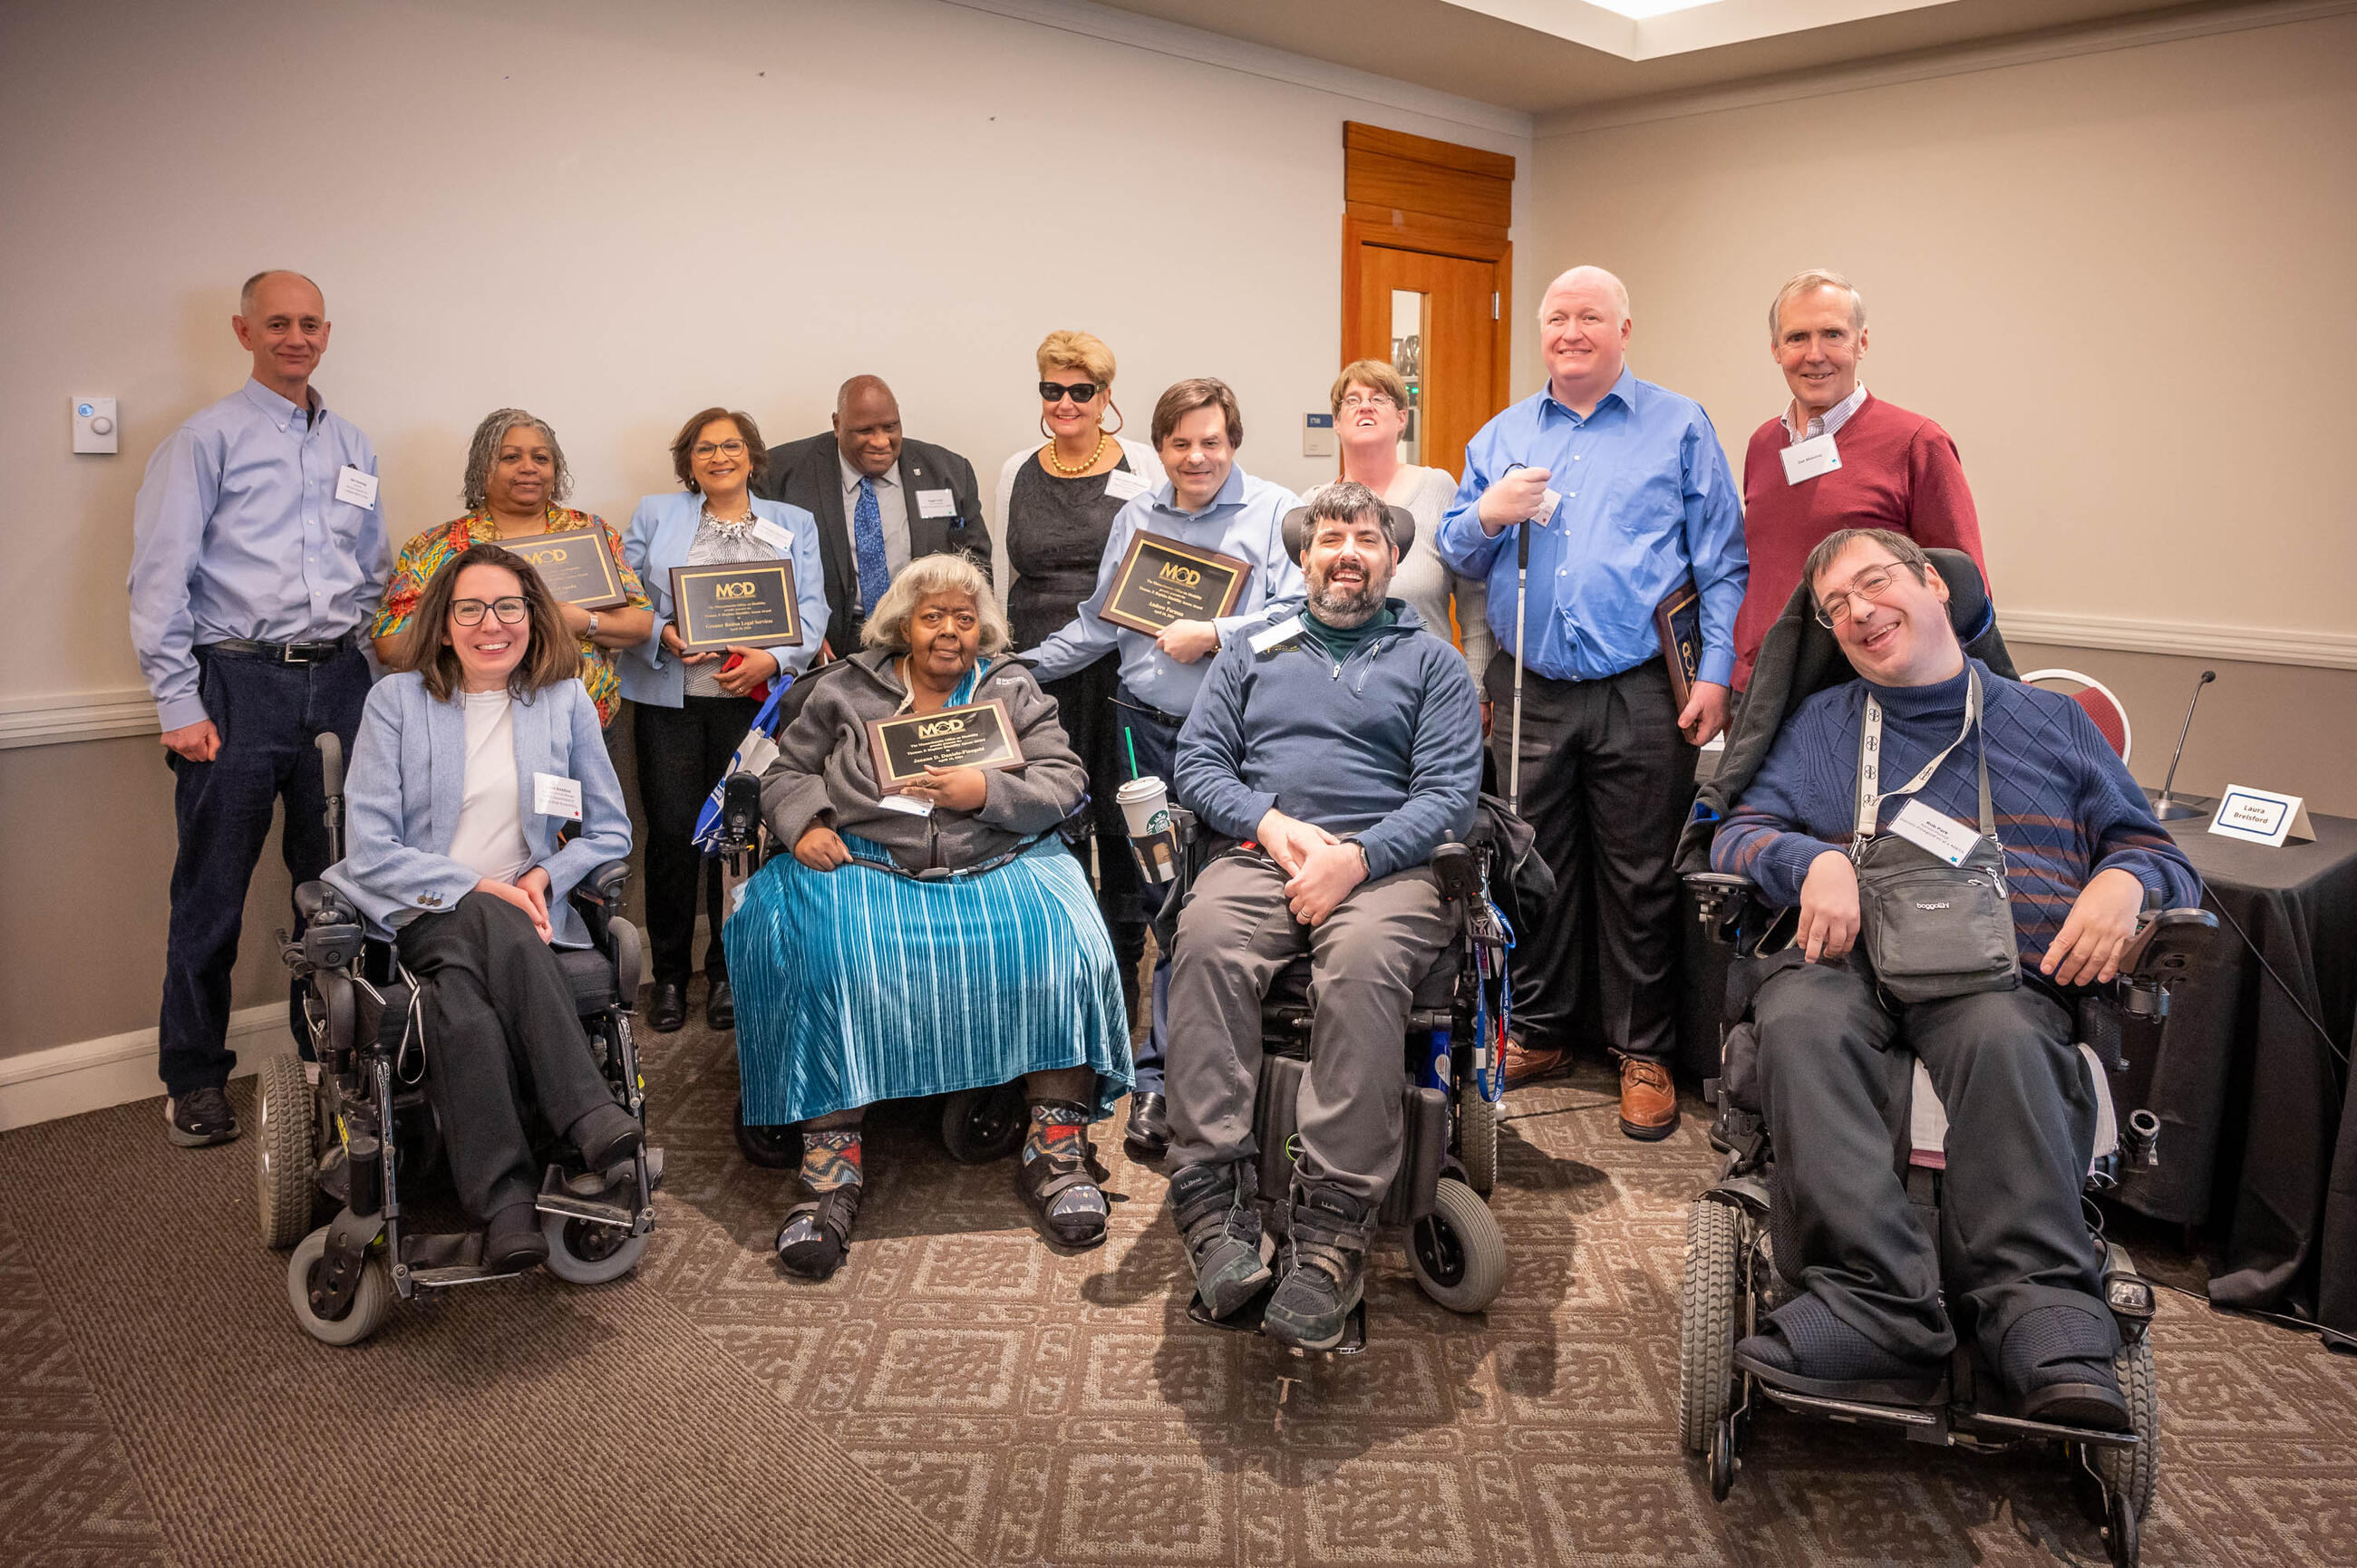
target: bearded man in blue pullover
2082 857
1336 748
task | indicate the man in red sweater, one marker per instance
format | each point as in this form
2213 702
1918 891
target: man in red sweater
1838 457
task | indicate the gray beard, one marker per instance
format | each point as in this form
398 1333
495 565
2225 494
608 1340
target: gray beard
1342 609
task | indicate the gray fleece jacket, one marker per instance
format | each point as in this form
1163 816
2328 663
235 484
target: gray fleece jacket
1385 744
825 772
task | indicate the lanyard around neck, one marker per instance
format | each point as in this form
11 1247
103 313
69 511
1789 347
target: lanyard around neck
1869 763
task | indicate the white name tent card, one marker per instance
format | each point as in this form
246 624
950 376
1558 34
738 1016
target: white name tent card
2260 816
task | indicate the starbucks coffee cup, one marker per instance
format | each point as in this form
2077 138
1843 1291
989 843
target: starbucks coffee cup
1146 807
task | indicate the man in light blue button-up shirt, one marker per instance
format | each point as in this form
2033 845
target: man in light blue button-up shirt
1210 503
1629 496
258 554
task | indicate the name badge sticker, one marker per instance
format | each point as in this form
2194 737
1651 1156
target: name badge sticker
1285 630
1548 501
936 503
907 803
552 795
1804 460
1124 486
776 537
354 487
1942 835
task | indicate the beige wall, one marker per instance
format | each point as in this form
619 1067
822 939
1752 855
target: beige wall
612 214
2121 280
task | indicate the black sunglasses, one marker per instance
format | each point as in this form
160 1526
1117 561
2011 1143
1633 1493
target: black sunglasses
1079 392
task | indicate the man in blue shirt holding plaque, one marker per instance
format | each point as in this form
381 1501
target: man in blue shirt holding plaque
1208 503
258 554
1629 496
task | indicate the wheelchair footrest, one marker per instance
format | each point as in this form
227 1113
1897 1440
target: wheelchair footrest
1990 1425
1247 1319
1924 1423
582 1197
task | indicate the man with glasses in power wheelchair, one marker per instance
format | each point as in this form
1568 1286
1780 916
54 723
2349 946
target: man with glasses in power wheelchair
1957 864
1331 753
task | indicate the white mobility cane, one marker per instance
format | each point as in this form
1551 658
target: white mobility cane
1522 596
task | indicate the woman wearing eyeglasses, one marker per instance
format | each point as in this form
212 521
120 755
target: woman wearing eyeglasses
516 478
1371 403
1056 505
453 851
692 709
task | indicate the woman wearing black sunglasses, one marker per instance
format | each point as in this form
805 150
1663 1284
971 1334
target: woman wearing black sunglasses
1057 502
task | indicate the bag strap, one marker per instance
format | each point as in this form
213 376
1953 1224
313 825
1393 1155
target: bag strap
1869 763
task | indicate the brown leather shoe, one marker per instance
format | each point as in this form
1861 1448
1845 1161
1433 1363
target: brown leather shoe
1649 1101
1525 1065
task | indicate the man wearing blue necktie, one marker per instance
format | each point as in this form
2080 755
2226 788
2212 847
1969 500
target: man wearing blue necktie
881 501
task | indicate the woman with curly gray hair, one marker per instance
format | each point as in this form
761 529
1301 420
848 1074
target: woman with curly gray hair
516 475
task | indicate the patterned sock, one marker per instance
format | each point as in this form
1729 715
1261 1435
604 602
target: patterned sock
1053 1121
830 1160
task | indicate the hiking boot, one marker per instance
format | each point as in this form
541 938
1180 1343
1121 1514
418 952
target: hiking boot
1213 1207
1325 1270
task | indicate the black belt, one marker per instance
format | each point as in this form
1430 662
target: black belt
281 652
1123 697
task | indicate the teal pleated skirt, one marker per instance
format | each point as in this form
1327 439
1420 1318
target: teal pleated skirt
859 984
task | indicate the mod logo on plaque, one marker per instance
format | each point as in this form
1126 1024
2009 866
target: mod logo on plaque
576 564
975 735
1160 580
749 603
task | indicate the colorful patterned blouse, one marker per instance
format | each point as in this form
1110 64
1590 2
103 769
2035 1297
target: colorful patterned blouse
424 555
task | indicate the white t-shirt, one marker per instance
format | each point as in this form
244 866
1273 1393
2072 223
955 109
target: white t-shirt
490 823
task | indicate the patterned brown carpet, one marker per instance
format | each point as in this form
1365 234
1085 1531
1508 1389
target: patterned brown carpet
960 1393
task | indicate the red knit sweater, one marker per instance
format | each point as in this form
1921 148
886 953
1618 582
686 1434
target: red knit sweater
1899 471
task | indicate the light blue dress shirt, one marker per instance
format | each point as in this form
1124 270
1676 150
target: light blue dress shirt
1245 519
1647 499
238 533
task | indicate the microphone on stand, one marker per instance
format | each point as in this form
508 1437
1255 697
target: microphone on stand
2165 806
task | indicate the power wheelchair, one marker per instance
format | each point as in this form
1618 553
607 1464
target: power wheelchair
349 1133
1731 1283
1454 1047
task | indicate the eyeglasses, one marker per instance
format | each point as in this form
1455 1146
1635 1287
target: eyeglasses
1869 585
511 611
704 450
1368 400
1056 392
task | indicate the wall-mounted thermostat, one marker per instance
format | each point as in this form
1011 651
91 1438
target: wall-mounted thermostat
94 425
1317 436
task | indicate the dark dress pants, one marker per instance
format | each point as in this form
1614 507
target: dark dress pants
682 752
269 716
1155 741
496 1000
1606 783
1084 706
2021 1128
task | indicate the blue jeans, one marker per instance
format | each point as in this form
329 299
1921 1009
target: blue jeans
268 715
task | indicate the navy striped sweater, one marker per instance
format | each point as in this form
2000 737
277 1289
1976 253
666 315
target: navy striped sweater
2065 805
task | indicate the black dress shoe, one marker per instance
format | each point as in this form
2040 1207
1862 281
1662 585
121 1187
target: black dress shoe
720 1004
513 1241
1147 1137
668 1010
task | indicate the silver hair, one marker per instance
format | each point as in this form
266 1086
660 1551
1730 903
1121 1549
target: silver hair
952 571
245 290
1808 282
475 493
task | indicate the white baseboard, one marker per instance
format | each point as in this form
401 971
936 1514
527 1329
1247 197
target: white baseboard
90 1075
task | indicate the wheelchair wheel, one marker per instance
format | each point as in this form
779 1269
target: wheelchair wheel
284 1160
1477 1138
1457 1251
1706 1308
771 1148
980 1125
371 1299
2132 1473
583 1253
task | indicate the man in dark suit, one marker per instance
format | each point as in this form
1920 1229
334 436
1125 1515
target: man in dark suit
881 501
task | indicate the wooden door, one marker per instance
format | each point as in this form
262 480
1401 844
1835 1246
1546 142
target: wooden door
1428 276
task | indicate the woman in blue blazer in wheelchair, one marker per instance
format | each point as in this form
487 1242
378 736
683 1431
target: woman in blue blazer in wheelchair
689 710
469 764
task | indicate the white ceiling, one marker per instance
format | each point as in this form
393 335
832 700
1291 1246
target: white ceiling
1541 57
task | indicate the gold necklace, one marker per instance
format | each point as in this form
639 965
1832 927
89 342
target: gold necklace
1085 465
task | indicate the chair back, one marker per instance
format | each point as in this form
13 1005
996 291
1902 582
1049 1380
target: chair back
2111 715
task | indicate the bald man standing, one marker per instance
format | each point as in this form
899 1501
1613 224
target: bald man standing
881 501
1628 496
258 554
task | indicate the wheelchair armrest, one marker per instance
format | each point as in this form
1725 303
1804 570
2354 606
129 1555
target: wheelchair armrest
1458 871
740 813
598 898
331 932
1079 823
2160 954
1717 896
314 900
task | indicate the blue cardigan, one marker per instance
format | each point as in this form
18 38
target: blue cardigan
657 539
408 774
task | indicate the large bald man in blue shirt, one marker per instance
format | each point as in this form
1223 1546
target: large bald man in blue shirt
1627 495
258 554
